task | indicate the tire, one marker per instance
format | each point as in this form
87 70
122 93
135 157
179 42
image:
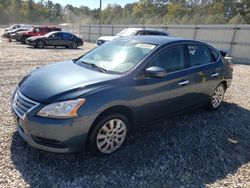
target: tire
74 45
23 40
40 44
217 97
106 138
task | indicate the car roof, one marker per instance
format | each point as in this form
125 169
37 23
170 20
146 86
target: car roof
44 26
144 29
62 32
53 32
154 39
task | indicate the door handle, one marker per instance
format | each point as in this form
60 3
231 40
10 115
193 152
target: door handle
184 82
215 74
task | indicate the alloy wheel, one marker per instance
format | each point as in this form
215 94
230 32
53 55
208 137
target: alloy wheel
218 96
111 136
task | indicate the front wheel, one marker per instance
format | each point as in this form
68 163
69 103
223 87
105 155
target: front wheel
217 97
74 45
108 135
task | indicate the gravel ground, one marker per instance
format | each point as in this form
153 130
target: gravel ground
200 148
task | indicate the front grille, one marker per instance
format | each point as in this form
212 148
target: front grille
22 105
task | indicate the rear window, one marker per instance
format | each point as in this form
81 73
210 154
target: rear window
67 36
37 29
199 55
57 29
157 33
215 55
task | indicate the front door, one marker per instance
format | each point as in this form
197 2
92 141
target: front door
54 39
174 92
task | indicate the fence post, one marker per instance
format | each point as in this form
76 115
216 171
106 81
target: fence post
112 30
233 39
79 32
195 31
100 30
89 32
166 28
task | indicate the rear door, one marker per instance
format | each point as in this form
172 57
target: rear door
67 39
54 40
206 69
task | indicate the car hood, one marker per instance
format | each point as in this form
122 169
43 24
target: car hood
108 38
63 81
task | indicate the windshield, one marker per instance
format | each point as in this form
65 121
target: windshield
117 56
127 32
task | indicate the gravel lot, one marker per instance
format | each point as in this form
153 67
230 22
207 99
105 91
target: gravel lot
200 148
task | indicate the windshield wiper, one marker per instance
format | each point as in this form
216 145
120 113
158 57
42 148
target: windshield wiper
94 66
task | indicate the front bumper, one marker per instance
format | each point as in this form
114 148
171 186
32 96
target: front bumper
31 43
54 135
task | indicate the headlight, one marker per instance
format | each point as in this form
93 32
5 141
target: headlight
65 109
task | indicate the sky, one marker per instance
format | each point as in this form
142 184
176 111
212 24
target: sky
93 3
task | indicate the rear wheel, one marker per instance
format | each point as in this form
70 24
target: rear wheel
217 97
23 40
40 44
108 135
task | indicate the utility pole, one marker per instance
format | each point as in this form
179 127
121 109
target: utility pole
100 13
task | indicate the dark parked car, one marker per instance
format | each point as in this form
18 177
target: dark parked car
131 32
96 100
57 38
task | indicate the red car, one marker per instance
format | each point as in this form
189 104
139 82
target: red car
35 31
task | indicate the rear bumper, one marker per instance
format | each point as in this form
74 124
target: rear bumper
53 135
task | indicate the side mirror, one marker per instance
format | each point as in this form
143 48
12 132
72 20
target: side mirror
155 72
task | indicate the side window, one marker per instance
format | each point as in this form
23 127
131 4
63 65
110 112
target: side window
152 33
215 55
142 33
58 35
172 59
56 29
163 34
199 55
37 29
67 36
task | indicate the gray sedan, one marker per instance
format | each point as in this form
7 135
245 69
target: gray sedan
95 101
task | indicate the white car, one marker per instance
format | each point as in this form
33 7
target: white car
16 26
130 32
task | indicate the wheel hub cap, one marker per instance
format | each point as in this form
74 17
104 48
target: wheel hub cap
218 96
111 136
